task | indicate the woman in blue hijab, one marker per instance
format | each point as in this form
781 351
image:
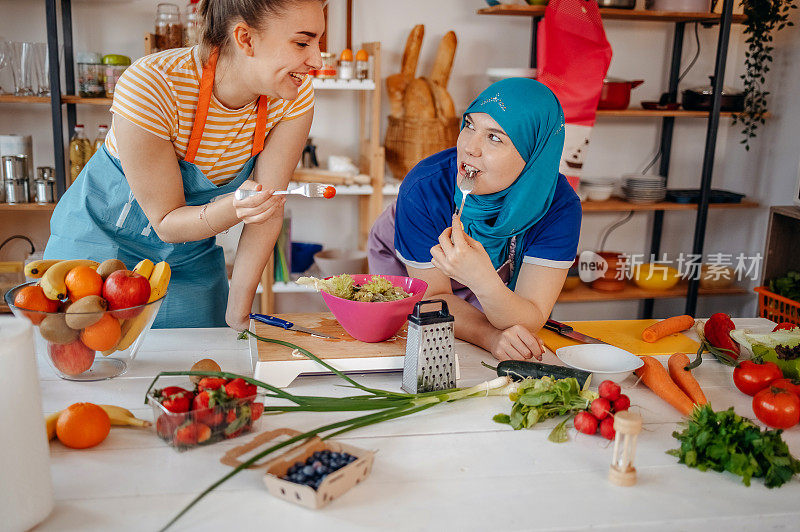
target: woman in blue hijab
501 263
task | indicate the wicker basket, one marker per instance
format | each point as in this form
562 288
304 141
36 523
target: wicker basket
409 140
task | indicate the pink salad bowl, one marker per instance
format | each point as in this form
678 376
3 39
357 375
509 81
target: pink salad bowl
376 322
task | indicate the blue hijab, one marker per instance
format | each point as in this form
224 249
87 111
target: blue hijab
530 114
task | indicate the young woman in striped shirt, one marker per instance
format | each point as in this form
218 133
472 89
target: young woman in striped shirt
190 126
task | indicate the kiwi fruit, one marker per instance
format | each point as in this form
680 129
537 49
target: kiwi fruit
203 365
54 329
107 267
85 312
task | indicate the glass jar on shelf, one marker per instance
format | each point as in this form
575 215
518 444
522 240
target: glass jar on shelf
113 67
169 29
328 70
90 75
191 30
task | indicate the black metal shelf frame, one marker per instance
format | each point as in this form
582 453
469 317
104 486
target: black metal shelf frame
667 125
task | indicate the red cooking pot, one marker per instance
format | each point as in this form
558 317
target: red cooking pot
616 93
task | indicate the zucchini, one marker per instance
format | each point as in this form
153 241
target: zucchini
521 369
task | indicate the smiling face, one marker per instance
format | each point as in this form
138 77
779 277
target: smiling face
286 48
484 146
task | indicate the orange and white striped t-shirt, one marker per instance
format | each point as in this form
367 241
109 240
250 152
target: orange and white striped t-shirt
159 93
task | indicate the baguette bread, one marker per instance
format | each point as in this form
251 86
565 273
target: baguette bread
395 89
445 108
443 64
418 100
411 53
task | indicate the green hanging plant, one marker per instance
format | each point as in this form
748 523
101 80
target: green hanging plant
763 18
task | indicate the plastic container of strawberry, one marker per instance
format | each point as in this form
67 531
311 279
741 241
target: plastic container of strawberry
224 421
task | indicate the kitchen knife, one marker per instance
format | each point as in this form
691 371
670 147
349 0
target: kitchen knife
289 326
565 330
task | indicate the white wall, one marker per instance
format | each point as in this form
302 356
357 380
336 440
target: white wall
767 172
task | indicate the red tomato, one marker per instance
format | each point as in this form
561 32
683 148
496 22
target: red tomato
785 326
777 408
790 385
751 378
329 192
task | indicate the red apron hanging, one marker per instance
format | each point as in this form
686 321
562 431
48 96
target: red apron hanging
573 55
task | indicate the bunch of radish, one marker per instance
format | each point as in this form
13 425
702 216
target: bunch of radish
601 411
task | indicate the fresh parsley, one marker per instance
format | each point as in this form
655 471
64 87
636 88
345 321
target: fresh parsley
725 441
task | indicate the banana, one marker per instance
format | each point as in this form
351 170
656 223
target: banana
133 327
53 279
35 269
159 281
118 416
144 268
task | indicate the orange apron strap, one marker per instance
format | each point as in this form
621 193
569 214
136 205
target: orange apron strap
261 126
203 102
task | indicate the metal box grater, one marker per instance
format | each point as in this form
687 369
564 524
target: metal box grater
430 361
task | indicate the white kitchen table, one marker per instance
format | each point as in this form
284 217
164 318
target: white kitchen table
447 468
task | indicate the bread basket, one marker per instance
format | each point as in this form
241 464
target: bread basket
409 140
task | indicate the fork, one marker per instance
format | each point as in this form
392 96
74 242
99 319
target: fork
466 185
309 190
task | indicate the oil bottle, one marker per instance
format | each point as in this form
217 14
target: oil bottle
80 149
102 131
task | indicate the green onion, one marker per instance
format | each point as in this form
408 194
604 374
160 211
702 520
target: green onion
385 404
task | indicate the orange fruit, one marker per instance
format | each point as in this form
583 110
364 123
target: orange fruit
83 281
103 335
33 298
82 425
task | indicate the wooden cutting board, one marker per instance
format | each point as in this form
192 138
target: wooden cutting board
625 334
347 347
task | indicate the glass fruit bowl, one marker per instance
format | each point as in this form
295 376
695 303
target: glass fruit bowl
88 345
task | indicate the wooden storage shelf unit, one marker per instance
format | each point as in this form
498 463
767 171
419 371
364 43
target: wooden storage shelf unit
583 293
27 207
634 112
10 98
614 14
617 205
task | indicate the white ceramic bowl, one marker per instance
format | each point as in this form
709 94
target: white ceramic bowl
605 361
496 74
598 192
338 261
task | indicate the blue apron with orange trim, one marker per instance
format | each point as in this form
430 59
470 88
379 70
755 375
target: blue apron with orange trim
98 218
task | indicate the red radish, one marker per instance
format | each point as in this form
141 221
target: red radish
607 428
622 403
609 390
600 408
585 422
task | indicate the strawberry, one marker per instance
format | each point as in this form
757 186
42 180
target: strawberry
210 383
206 407
192 434
256 409
240 389
172 390
230 417
177 403
167 423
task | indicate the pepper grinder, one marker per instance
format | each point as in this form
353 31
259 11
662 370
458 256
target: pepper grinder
627 427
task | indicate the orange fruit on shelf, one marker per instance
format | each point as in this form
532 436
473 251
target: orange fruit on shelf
82 425
103 335
33 298
83 281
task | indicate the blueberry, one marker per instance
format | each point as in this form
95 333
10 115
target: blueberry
299 478
350 458
308 470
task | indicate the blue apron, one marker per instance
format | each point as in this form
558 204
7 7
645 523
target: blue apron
98 218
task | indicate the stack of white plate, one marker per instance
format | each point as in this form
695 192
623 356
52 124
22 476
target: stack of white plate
644 188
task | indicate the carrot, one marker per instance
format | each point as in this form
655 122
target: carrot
666 327
655 377
684 378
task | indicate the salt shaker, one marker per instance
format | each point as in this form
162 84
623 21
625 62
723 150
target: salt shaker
627 426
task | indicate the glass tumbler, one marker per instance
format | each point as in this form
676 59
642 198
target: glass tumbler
22 64
5 59
41 65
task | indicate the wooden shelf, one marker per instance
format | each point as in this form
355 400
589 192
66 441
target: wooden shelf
618 205
638 112
583 293
47 207
69 98
614 14
10 98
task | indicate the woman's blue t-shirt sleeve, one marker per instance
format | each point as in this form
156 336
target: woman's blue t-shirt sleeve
553 241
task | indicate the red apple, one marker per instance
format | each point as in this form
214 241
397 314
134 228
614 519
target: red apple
124 289
71 359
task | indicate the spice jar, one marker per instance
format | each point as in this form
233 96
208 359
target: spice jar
346 64
90 75
169 30
45 191
362 65
113 67
328 70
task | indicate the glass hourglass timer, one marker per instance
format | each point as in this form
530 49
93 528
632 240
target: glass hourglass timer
627 426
